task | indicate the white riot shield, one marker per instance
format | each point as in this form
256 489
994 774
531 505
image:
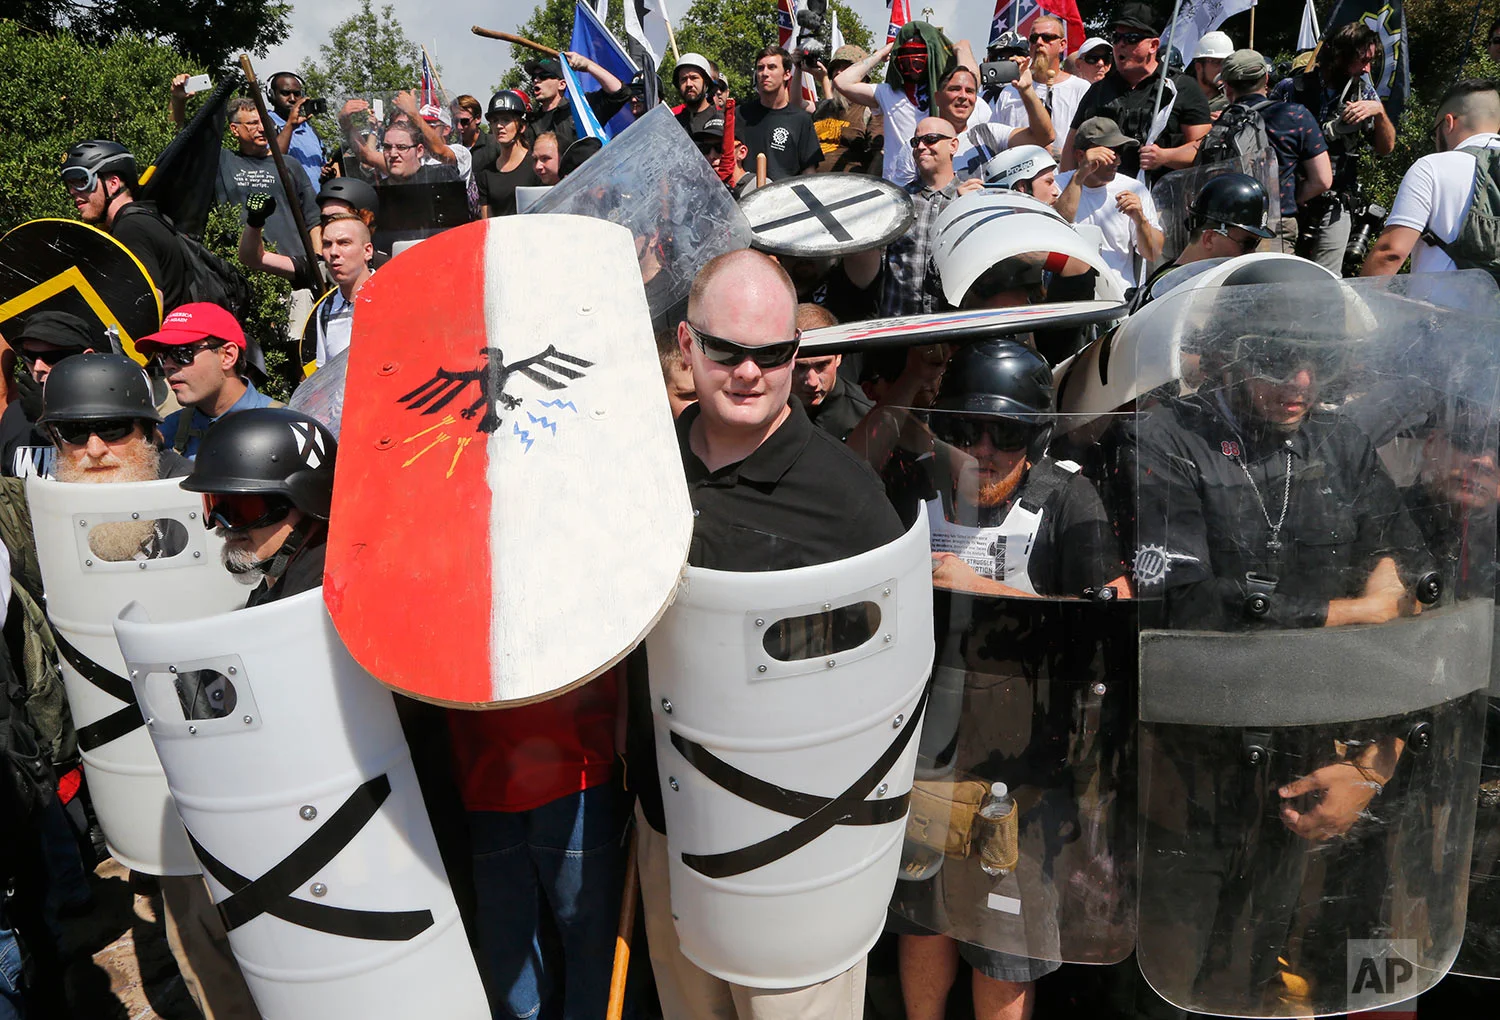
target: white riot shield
294 779
1315 558
101 547
786 706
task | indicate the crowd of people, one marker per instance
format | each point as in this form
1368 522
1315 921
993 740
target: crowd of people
790 459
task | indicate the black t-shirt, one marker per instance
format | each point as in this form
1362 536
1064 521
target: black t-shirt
1131 108
559 119
497 188
156 245
303 573
800 499
787 137
16 432
694 121
844 407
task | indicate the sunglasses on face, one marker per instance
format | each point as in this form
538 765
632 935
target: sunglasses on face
241 511
930 139
48 358
1131 38
726 352
1045 37
77 433
181 356
1003 433
465 121
1097 57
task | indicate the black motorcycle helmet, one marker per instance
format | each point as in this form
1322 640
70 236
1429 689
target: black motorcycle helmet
272 451
350 190
94 387
508 101
1231 200
1001 379
97 157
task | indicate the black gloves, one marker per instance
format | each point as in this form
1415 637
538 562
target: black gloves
258 209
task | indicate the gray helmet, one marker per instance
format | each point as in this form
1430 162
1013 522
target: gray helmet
95 157
697 62
93 387
271 451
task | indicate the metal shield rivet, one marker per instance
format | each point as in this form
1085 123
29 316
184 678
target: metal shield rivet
192 729
1099 689
827 606
666 706
192 516
672 782
887 639
83 524
88 563
318 889
830 663
134 673
143 564
135 517
232 671
197 555
896 722
388 368
384 443
249 720
596 414
586 310
760 669
760 623
308 812
880 790
886 592
171 669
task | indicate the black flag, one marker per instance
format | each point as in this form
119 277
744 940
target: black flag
1387 19
181 181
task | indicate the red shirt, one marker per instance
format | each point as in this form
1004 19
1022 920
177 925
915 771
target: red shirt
517 759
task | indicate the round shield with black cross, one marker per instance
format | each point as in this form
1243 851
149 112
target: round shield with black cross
826 215
1314 473
786 706
101 547
297 788
66 266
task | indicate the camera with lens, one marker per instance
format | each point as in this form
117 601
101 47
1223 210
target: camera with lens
314 107
809 48
1366 220
995 74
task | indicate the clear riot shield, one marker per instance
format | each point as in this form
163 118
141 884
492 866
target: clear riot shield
1033 687
293 776
652 179
1314 554
101 547
1174 194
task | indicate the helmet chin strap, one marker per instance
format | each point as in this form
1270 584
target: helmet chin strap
277 565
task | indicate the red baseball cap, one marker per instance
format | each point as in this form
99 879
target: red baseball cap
201 320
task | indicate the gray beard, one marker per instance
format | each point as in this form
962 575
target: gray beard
247 570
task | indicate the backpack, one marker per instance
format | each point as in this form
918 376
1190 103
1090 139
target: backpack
210 278
1477 245
1239 134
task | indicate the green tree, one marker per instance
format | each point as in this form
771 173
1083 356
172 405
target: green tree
551 24
211 32
366 53
56 90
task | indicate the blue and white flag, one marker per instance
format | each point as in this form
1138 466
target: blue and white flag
583 114
594 40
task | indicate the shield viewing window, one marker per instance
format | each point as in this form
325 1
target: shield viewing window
119 541
823 633
205 694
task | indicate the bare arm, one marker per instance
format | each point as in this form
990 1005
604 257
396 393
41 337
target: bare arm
1390 251
179 100
1038 129
1066 160
1317 178
254 257
850 82
436 144
965 55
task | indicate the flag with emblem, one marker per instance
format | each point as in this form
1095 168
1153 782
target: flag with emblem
1196 18
1390 74
1017 16
900 15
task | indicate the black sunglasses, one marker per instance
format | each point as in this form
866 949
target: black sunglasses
183 355
726 352
1131 38
48 358
1097 57
1004 433
77 433
930 139
1043 36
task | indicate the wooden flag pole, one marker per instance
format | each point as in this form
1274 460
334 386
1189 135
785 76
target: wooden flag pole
293 206
671 35
1251 43
490 33
625 932
435 76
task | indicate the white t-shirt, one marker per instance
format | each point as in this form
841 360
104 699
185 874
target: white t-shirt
1435 195
977 143
901 117
1061 98
1096 206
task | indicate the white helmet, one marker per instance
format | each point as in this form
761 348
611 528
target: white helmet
1010 167
1214 46
694 60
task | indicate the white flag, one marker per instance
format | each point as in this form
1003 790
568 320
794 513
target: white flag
646 26
1307 36
835 37
1195 19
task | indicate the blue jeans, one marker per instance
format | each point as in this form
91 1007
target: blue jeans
565 854
11 1005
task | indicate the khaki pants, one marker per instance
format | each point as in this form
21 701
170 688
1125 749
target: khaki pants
690 993
195 932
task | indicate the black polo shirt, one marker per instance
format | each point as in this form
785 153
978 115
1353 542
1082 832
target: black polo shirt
1131 108
799 500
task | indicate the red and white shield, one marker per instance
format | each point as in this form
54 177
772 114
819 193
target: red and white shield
510 515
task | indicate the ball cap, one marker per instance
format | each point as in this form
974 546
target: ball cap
1138 16
1243 67
1102 131
1091 44
60 329
187 324
539 70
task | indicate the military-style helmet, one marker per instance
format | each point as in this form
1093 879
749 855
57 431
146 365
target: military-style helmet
1001 379
698 62
1231 200
89 160
352 191
272 451
94 387
508 101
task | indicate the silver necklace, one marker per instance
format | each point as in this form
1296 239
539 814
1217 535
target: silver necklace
1274 543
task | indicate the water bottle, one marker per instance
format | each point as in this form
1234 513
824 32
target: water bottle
1000 847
